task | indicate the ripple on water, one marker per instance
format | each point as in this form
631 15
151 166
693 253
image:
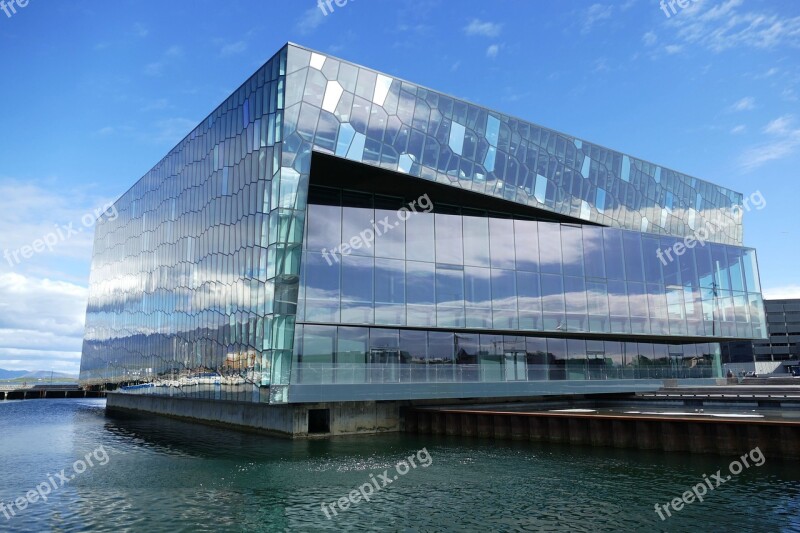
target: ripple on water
166 475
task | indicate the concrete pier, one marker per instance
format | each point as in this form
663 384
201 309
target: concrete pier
723 419
713 435
290 420
47 391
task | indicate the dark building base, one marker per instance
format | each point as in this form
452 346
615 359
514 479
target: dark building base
291 420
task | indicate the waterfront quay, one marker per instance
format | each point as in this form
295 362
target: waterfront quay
24 392
725 419
715 420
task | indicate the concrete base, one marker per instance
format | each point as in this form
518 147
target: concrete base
290 420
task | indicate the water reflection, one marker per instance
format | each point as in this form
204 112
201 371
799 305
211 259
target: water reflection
167 475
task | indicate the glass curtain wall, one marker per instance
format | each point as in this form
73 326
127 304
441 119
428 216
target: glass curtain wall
454 268
358 355
187 290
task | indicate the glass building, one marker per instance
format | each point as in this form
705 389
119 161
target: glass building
332 233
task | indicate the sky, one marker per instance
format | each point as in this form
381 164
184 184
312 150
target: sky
97 92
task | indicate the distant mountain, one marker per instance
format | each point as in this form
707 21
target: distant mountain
12 374
46 374
27 374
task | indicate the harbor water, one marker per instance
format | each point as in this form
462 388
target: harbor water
141 473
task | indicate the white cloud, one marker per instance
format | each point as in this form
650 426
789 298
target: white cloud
594 15
31 211
779 126
419 29
483 28
759 155
55 307
43 298
310 20
745 104
511 95
140 30
172 130
789 95
784 142
782 293
156 68
736 130
725 26
233 48
41 360
649 38
41 323
601 65
673 48
156 105
768 74
174 51
492 51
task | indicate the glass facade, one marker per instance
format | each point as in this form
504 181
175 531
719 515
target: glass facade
335 107
188 284
221 262
362 355
445 269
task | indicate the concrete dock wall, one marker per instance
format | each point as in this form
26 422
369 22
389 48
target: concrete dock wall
291 420
718 436
35 393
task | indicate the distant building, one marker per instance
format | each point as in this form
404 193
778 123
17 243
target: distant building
783 344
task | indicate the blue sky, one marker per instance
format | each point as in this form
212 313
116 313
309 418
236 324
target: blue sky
97 92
